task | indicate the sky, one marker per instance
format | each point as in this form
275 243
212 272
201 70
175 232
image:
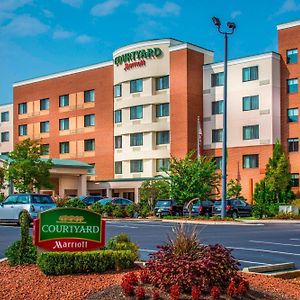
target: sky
39 37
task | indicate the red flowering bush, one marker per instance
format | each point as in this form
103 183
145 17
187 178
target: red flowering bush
196 293
144 276
140 293
174 292
215 293
237 287
129 280
155 295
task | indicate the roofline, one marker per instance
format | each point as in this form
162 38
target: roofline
145 44
191 47
288 25
244 59
6 104
64 73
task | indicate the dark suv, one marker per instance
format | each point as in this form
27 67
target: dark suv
200 208
167 207
234 208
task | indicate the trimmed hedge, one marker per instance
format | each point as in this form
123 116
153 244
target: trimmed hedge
61 263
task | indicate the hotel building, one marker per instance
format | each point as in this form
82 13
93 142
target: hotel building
126 117
6 128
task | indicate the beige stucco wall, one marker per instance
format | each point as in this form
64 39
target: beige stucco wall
7 127
267 87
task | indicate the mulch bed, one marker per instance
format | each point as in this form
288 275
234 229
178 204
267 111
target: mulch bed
28 282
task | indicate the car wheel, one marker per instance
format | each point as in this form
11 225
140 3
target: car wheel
235 215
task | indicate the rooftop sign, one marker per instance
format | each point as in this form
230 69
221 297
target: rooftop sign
69 229
137 58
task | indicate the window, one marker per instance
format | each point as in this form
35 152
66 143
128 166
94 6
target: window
118 142
136 166
89 120
89 96
118 90
217 135
118 167
162 137
292 56
292 85
162 83
91 169
136 112
162 110
250 132
64 147
218 160
44 104
44 126
136 86
5 136
64 124
250 161
136 139
89 145
250 103
292 114
162 164
217 79
44 149
293 144
63 100
295 179
22 108
22 130
250 73
217 107
118 116
5 116
4 153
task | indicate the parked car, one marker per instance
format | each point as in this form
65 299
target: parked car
167 207
234 208
116 201
12 207
200 208
89 200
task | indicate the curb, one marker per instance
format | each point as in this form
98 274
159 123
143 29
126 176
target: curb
270 268
236 223
3 259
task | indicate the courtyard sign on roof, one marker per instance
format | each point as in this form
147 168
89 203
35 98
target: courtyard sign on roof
137 58
69 229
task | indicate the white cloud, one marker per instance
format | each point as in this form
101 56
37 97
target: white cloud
288 6
83 39
106 8
150 29
73 3
61 34
24 25
235 14
168 9
10 5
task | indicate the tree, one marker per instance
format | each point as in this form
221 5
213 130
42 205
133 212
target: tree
26 169
234 189
151 190
192 178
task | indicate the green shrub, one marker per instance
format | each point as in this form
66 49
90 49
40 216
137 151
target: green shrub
13 253
60 201
122 242
61 263
144 211
108 209
118 211
74 203
97 208
131 209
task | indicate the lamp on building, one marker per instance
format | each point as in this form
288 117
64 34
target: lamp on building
232 27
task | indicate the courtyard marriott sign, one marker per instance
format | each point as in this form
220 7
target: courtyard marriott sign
69 229
137 58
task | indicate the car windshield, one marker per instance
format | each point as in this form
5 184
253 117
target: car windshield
217 203
163 203
42 199
104 201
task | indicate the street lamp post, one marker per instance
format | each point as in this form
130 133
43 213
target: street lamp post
232 27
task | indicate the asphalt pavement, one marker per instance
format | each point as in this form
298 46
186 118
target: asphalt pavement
252 244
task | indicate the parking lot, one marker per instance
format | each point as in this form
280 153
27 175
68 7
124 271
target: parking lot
252 244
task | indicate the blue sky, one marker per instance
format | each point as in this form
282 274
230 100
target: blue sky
39 37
